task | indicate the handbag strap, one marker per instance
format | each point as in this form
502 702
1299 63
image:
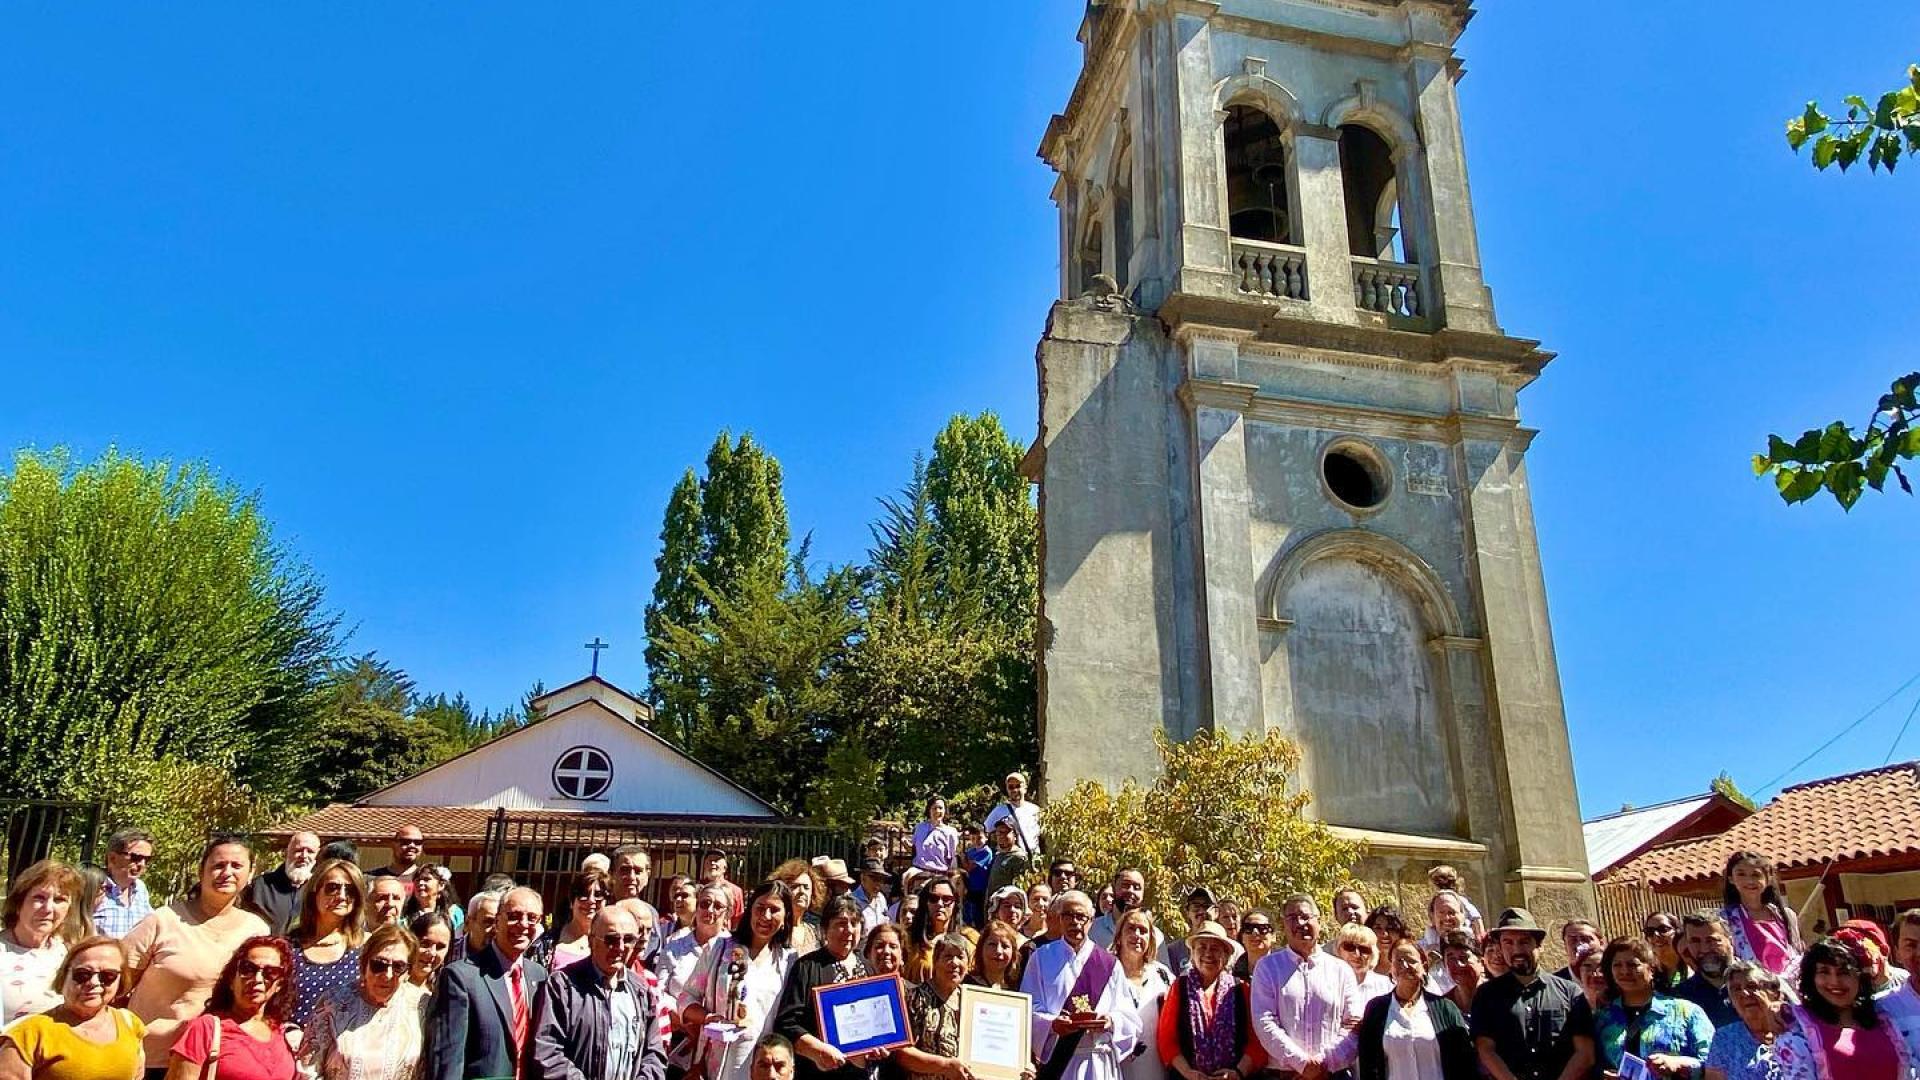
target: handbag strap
210 1069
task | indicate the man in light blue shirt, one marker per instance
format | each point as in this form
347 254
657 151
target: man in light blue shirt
124 899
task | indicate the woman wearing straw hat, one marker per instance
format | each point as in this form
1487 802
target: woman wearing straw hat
1206 1026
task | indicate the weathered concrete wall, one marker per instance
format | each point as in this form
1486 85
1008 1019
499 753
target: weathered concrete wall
1112 580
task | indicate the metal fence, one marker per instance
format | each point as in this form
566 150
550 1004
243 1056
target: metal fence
36 829
544 851
1623 906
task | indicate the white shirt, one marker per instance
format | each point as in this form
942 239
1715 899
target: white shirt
873 909
1051 973
1026 824
1300 1010
26 977
1412 1046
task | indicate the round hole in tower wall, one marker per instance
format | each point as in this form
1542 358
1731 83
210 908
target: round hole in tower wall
1355 475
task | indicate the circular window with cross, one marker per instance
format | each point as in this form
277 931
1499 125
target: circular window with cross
583 772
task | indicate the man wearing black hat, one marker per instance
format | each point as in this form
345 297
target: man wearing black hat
872 893
1525 1024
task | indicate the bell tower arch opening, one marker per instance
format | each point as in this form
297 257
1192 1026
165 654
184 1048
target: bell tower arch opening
1372 189
1260 188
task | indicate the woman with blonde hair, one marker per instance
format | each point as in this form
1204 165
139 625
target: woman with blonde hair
83 1037
376 1033
327 936
1148 981
1359 948
996 958
45 913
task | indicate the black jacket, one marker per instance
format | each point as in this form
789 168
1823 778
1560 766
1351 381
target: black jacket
1458 1060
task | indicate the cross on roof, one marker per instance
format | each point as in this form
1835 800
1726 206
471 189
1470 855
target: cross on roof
596 645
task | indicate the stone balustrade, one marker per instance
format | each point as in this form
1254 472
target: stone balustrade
1270 270
1390 288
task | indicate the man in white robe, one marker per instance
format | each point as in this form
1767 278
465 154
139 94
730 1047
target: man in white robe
1087 1040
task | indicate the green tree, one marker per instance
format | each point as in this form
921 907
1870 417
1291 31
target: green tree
150 629
725 535
675 600
985 528
760 701
945 648
1724 785
363 737
1223 813
1837 458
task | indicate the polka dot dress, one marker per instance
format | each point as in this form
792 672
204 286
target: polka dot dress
314 983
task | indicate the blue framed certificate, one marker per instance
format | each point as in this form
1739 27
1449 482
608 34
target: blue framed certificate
863 1015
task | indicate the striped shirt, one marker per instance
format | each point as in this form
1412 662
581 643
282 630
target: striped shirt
1300 1010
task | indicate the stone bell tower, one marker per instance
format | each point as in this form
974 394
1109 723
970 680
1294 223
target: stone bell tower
1283 480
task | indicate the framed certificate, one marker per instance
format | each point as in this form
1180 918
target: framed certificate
862 1015
996 1032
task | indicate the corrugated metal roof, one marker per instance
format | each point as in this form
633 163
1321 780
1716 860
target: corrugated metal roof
1617 836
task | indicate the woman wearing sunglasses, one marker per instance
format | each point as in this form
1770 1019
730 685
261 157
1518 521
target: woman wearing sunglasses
243 1032
327 937
84 1037
377 1031
567 942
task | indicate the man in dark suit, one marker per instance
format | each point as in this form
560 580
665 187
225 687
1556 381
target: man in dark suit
482 1012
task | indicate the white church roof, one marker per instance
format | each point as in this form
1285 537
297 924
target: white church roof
590 753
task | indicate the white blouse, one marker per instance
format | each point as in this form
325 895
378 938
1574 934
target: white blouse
350 1039
26 977
1411 1044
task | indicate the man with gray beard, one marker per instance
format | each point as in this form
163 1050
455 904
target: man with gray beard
1706 944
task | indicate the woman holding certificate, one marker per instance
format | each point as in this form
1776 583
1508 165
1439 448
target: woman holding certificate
832 963
736 984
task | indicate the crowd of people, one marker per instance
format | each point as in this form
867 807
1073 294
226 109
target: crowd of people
320 968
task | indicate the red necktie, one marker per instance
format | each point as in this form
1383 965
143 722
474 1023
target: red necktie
515 982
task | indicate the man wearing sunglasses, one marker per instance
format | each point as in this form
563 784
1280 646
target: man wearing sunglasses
124 899
597 1019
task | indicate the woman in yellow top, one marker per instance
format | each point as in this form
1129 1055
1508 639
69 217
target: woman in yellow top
83 1037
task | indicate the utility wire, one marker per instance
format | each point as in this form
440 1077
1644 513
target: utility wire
1838 735
1903 731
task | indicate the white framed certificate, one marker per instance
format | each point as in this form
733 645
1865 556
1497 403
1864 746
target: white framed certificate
996 1032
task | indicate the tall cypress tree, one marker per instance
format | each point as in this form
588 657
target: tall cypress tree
675 600
725 536
985 527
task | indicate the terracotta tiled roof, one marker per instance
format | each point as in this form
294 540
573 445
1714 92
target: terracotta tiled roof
1861 815
346 821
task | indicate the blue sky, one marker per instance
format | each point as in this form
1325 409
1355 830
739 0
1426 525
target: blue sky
461 290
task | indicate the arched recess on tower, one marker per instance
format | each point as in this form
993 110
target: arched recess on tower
1355 672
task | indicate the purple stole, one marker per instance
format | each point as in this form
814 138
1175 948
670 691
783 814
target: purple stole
1095 974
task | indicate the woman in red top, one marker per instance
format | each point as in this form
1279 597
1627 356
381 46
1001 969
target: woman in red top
244 1025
